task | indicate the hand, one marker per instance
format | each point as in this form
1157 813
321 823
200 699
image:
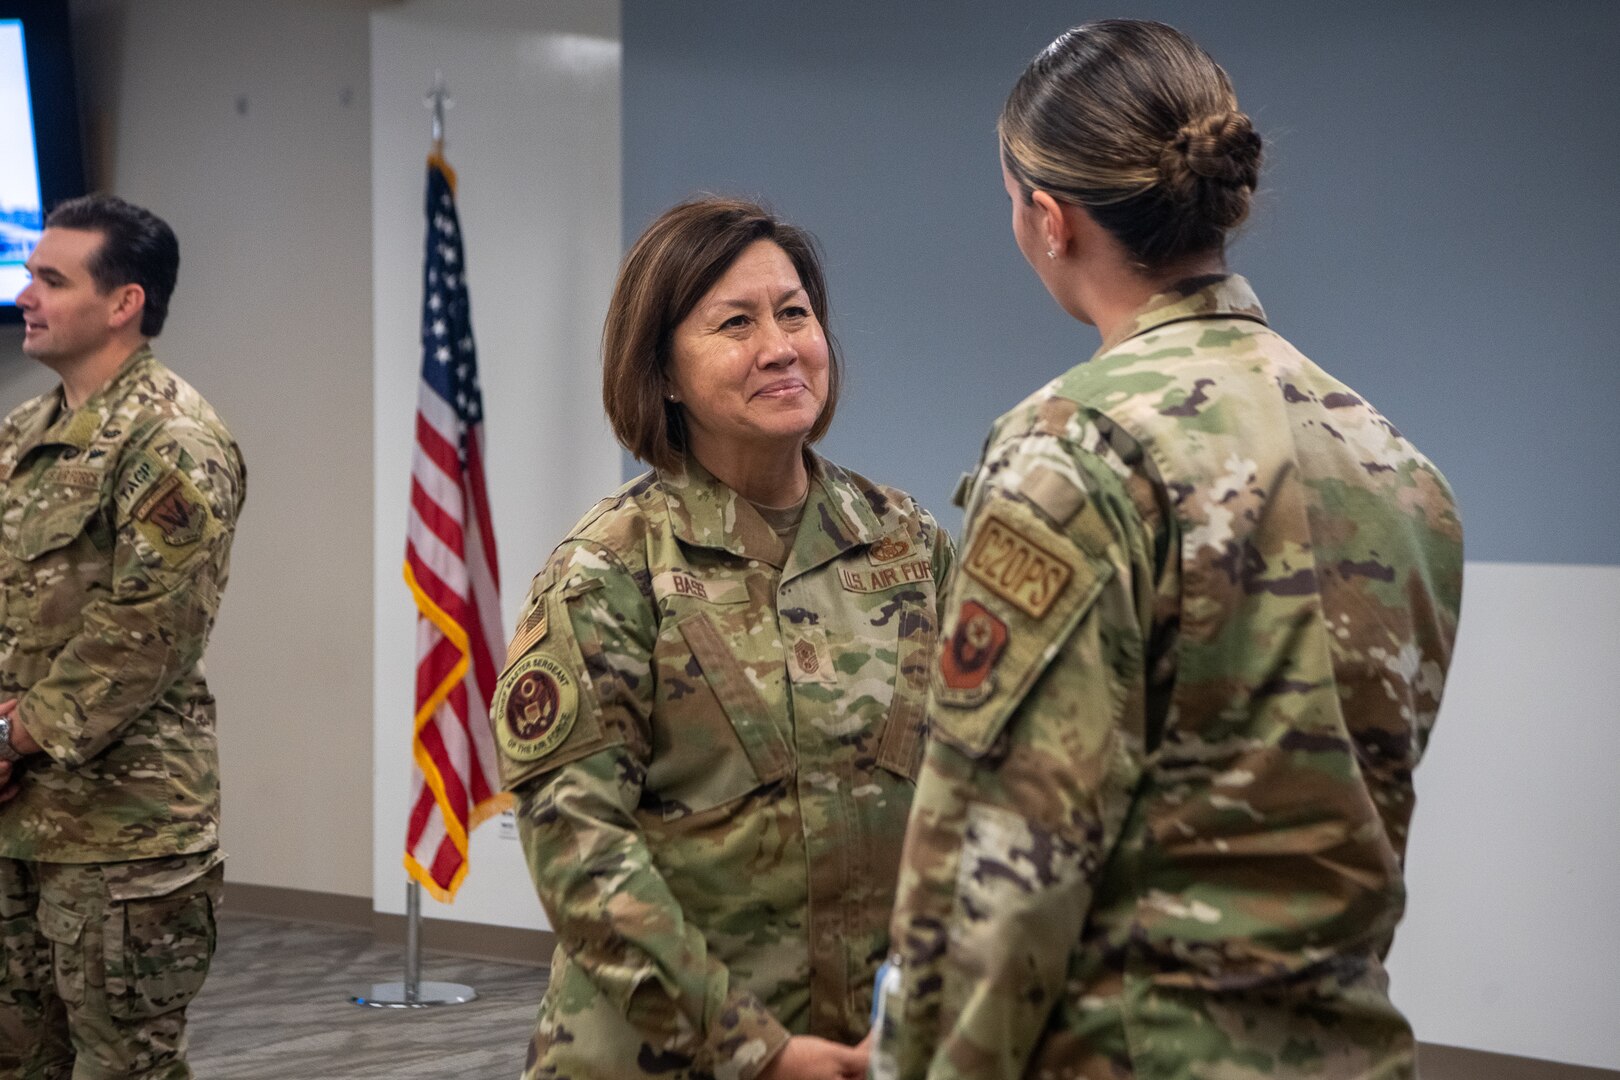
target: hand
806 1057
10 782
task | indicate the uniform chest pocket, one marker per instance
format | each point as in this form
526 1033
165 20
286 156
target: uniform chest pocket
716 737
41 531
54 563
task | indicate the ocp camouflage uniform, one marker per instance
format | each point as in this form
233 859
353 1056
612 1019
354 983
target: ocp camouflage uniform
1192 655
713 743
115 528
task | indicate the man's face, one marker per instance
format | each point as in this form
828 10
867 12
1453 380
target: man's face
65 316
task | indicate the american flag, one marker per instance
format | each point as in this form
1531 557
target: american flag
451 568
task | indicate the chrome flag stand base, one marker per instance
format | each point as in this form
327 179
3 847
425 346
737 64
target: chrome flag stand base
413 993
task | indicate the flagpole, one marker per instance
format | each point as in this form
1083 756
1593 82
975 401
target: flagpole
413 993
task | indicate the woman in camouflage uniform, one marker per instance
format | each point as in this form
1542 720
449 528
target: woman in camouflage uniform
1208 603
711 712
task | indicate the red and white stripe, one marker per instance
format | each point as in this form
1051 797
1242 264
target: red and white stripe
451 565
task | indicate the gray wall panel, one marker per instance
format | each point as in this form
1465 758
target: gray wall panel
1437 227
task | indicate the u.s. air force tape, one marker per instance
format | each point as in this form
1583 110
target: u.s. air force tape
535 708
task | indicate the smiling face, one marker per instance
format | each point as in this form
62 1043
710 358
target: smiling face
749 362
66 317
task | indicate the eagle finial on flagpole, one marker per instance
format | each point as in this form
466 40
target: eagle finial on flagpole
438 99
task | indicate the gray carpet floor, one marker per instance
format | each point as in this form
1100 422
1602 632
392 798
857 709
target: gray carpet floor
276 1006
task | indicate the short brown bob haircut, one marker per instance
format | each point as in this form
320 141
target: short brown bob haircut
671 267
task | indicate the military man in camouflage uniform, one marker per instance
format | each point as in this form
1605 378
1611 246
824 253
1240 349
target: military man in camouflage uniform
1190 660
119 492
713 734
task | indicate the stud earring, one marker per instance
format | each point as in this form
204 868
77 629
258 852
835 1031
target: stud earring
1050 254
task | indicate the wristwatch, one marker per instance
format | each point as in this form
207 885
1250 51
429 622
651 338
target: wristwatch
7 751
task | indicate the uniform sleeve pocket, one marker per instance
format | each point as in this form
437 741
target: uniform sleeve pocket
1020 592
157 952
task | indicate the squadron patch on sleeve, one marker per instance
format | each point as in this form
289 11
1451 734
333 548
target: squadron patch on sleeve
969 657
173 517
534 707
1012 564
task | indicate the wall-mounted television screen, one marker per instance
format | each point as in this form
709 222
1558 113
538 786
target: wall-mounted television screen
40 159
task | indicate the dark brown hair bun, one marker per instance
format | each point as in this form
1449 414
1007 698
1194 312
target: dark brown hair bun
1135 122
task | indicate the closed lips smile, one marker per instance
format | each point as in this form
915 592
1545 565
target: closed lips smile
780 389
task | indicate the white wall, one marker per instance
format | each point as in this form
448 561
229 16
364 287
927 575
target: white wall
1510 942
534 137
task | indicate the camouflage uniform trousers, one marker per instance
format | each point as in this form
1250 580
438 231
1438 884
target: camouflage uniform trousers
98 962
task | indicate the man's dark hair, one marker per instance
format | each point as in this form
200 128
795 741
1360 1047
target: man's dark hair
137 248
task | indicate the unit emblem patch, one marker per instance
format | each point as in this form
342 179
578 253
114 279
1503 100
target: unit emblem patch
970 656
535 707
171 509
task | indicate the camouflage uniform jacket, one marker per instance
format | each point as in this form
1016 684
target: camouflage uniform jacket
115 534
1191 657
714 744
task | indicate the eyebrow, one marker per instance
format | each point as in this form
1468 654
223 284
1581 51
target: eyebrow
735 304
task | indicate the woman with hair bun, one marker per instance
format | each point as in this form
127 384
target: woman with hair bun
1194 650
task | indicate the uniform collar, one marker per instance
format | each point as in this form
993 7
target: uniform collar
53 424
1207 297
706 513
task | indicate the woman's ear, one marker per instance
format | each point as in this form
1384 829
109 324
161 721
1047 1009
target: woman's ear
1052 223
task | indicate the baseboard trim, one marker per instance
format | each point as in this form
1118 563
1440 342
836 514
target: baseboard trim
1458 1063
299 905
506 944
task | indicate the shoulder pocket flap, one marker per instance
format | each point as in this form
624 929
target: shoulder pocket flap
750 717
1004 632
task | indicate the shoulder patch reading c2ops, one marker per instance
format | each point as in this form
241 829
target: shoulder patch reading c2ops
535 708
1015 566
